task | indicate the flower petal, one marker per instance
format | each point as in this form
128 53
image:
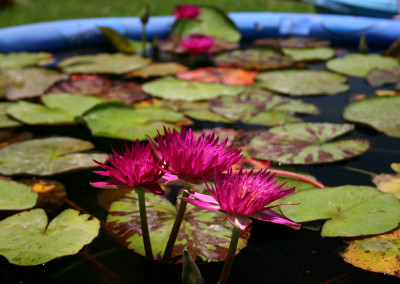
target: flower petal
273 217
203 197
239 221
201 204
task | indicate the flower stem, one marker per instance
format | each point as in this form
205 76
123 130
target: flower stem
144 40
175 230
231 254
179 35
143 222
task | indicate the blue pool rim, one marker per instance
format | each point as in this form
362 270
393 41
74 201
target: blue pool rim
82 33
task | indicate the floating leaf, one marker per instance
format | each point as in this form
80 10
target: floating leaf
28 82
116 120
5 120
309 54
377 254
27 239
381 113
395 167
379 77
48 156
306 143
15 60
351 210
119 42
74 105
117 63
203 233
16 196
388 183
358 65
258 58
211 22
158 69
175 89
292 42
303 82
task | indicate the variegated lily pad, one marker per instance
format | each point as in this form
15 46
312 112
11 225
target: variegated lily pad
379 77
258 58
27 239
120 121
117 63
359 65
16 196
15 60
351 210
203 233
303 82
381 113
5 120
175 89
306 143
310 54
47 156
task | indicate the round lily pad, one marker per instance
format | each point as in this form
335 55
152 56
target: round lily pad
351 210
381 113
27 239
303 82
310 54
16 196
5 120
306 143
175 89
14 60
74 105
358 65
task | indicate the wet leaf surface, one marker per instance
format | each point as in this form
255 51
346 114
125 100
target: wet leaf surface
16 196
15 60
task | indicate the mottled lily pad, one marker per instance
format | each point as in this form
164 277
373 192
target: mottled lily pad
16 196
258 58
27 239
310 54
203 233
381 113
5 120
306 143
293 42
303 82
158 69
123 122
351 210
377 254
358 65
15 60
117 63
47 156
379 77
175 89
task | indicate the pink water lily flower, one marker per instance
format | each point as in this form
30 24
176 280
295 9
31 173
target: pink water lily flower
193 159
186 12
197 44
133 167
242 195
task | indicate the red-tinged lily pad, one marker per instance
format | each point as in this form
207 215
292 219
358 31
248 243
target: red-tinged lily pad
176 89
27 239
350 210
15 60
359 65
303 82
256 58
306 143
378 254
117 63
157 69
5 120
380 77
16 196
310 54
381 113
47 156
125 92
28 83
120 121
293 42
223 75
203 233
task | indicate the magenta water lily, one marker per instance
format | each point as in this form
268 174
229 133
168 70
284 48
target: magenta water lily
197 44
186 12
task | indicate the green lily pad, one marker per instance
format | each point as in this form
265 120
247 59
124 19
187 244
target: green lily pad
306 143
303 82
120 121
5 120
47 156
203 233
351 210
381 113
175 89
15 60
27 83
158 69
380 77
211 22
258 58
27 239
16 196
117 63
310 54
74 105
358 65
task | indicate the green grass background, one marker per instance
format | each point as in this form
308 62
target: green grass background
32 11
